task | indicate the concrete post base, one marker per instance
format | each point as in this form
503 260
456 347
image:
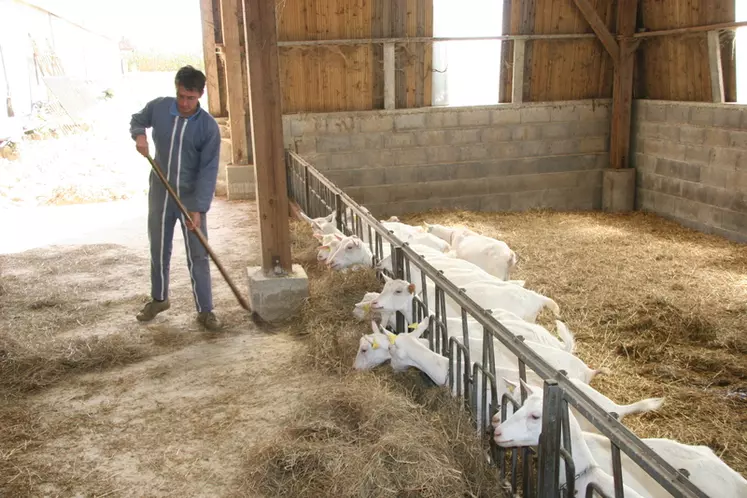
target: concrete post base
276 299
618 190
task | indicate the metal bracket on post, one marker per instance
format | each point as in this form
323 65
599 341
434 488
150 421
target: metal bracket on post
549 447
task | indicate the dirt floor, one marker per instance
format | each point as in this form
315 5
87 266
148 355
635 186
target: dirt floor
165 424
96 404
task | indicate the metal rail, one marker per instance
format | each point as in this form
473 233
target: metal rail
559 391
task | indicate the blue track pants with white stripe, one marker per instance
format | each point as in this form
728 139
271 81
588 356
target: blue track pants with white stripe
163 213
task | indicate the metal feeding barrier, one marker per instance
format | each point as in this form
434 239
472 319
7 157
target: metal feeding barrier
526 471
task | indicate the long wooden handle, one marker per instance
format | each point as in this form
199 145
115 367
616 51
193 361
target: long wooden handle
200 236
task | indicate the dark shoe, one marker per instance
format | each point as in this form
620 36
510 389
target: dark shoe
151 309
209 320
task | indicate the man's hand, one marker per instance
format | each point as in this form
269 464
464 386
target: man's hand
141 144
195 221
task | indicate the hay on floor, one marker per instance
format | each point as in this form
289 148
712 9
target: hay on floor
663 306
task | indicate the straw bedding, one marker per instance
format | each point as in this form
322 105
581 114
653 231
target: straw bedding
663 306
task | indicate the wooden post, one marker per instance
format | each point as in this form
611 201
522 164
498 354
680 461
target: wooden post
230 11
389 80
267 134
715 67
596 23
218 22
517 81
622 89
210 57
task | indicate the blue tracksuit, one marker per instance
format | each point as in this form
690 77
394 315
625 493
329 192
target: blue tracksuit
187 151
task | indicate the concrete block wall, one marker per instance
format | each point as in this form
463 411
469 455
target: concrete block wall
691 162
491 158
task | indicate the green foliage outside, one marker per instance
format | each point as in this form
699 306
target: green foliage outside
160 61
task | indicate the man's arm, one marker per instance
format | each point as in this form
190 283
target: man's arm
138 124
142 120
207 175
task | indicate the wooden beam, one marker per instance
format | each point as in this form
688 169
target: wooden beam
715 67
691 29
504 85
596 23
431 39
526 21
517 81
622 89
389 77
209 56
267 134
230 11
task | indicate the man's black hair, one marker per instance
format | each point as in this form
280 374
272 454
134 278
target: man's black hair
190 78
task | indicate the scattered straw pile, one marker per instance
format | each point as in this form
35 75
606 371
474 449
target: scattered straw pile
359 437
42 300
663 306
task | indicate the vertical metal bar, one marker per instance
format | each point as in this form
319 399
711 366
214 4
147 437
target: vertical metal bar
617 470
465 338
339 211
442 308
549 454
307 187
398 265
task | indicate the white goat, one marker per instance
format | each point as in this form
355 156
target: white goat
523 302
523 429
468 272
494 256
353 252
329 243
644 405
705 469
406 350
397 295
373 349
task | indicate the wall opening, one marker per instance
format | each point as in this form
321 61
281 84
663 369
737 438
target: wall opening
467 73
740 11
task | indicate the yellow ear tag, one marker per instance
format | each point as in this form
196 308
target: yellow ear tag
367 307
375 344
412 326
392 338
511 388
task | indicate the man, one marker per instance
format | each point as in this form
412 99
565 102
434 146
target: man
187 141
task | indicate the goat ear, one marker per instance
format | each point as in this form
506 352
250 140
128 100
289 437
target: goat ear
372 340
318 236
510 385
529 390
421 327
411 288
392 337
339 236
375 327
387 277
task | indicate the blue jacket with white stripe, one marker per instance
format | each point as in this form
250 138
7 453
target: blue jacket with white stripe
187 150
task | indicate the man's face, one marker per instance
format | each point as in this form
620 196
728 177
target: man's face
186 100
